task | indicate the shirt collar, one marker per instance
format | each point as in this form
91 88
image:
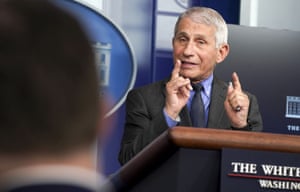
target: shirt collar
207 84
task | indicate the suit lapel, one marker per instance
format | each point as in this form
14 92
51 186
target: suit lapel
216 110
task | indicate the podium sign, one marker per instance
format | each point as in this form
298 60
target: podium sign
259 171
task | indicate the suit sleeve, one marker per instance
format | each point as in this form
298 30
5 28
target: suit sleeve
254 117
144 122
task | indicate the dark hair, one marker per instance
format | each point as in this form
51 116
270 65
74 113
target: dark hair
49 97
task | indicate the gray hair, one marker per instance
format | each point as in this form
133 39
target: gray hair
207 16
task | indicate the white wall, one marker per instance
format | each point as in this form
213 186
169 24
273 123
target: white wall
274 14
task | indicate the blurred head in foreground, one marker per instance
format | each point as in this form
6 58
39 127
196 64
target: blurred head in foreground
50 109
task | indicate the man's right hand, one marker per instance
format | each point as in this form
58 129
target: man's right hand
177 92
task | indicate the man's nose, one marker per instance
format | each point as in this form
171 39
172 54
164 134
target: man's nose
189 49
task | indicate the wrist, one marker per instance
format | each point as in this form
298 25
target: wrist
173 115
247 126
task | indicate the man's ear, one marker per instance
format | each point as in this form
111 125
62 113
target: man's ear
222 53
173 40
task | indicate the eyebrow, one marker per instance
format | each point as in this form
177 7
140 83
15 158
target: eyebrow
182 33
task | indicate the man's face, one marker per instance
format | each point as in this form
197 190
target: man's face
194 45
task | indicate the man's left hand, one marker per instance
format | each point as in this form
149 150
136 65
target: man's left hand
236 103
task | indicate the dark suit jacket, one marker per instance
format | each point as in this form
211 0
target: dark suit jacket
145 119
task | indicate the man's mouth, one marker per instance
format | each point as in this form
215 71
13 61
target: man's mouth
187 63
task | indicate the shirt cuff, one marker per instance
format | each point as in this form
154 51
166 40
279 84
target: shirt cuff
170 121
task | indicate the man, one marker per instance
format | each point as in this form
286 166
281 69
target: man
199 43
50 111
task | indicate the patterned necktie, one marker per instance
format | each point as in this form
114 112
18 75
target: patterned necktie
197 108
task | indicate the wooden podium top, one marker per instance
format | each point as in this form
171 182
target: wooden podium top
205 138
